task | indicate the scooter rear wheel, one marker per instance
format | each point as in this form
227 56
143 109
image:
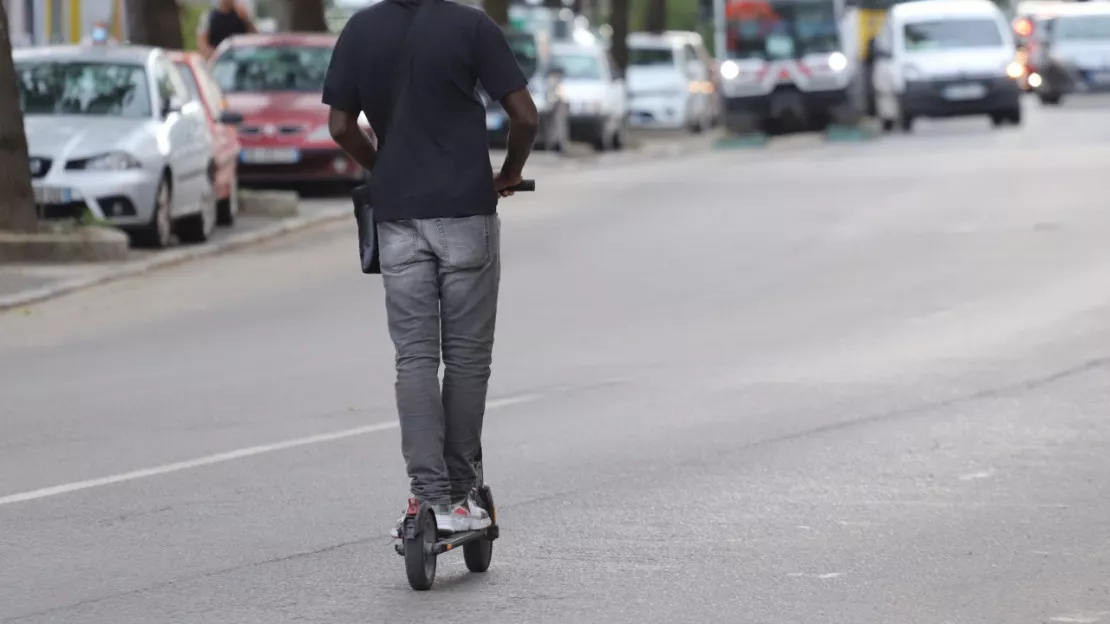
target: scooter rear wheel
420 561
479 553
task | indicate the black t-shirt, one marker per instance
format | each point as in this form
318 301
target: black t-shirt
434 162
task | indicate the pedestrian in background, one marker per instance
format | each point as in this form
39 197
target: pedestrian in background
413 68
227 19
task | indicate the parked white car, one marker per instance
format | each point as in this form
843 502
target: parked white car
670 81
112 131
596 92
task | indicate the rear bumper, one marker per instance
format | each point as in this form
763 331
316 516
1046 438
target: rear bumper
929 99
1066 81
659 111
314 165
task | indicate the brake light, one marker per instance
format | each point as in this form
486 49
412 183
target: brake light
1023 26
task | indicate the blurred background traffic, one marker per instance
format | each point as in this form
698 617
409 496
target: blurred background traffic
174 133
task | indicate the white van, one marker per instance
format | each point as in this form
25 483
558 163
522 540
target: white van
669 81
945 58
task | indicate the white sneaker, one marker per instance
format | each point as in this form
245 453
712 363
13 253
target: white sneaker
475 517
447 521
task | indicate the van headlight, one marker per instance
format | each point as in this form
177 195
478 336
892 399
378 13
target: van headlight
838 62
112 161
729 70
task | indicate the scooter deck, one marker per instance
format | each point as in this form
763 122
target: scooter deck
455 540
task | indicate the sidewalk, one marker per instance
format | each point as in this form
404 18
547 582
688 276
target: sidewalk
22 285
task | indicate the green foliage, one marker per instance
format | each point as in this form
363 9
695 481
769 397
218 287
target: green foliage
681 14
191 14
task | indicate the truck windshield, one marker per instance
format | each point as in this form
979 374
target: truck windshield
757 29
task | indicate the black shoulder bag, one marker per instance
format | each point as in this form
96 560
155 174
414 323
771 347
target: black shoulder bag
364 207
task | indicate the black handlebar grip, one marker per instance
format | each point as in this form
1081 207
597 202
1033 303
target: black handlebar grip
524 186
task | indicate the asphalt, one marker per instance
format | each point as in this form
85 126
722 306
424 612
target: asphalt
851 383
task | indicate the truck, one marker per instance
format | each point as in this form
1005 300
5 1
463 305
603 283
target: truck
788 65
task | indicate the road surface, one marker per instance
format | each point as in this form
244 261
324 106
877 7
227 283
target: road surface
845 383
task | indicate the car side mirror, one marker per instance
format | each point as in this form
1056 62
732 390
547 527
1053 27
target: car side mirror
231 118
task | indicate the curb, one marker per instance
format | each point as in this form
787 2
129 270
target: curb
174 257
281 228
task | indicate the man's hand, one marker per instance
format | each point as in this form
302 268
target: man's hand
503 183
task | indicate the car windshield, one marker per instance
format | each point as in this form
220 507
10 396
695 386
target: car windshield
524 49
951 34
272 68
77 88
578 66
651 57
1082 28
757 29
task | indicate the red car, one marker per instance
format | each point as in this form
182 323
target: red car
274 81
221 123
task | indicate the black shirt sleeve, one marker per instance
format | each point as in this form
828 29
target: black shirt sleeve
495 63
341 81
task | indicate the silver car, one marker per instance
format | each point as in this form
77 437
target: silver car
1073 52
114 134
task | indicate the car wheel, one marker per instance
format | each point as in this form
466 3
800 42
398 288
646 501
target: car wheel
198 227
1003 118
599 140
158 233
1049 99
228 209
617 142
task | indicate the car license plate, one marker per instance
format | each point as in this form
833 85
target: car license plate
494 121
271 155
965 92
53 195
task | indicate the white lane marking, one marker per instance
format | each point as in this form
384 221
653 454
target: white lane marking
982 474
1080 618
219 458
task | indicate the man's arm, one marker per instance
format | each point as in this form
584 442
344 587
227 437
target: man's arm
203 44
524 123
503 80
342 97
245 15
344 128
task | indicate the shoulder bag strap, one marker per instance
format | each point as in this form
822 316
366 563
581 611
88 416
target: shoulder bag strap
401 70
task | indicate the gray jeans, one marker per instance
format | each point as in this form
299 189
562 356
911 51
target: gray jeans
441 280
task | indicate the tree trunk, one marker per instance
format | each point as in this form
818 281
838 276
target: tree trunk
307 16
17 202
656 19
155 23
619 22
498 11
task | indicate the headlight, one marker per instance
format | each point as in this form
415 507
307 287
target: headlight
729 70
319 135
838 62
113 161
911 72
1015 70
